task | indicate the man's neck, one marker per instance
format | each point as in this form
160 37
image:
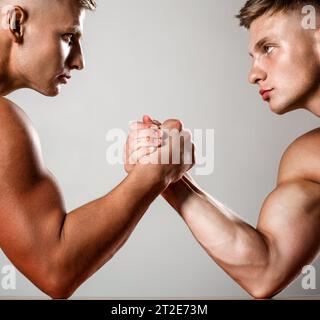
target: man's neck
311 101
7 83
315 109
314 105
4 77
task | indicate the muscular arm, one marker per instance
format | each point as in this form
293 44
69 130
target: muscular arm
55 250
265 259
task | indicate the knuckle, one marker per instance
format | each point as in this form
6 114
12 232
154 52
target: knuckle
188 132
178 123
176 120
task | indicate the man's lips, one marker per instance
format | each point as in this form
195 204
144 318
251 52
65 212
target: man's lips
64 78
265 93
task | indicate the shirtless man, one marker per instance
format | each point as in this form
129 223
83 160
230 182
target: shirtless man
40 44
286 67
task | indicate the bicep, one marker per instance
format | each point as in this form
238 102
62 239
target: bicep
289 221
31 218
31 207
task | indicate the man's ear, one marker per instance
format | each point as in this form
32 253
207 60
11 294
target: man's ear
16 19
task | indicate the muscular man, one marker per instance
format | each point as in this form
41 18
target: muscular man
286 67
40 44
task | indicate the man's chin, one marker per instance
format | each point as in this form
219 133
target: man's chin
50 92
281 109
279 112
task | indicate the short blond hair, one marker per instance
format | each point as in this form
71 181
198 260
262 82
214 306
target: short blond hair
254 9
88 4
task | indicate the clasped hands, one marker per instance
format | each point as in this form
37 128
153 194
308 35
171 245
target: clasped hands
167 148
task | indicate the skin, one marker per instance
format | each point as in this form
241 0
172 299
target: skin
54 35
287 44
265 259
44 242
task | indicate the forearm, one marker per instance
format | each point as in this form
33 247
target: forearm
93 233
237 247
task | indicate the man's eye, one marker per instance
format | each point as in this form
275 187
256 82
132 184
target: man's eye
68 37
268 49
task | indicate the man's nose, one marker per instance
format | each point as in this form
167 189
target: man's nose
76 60
257 74
78 63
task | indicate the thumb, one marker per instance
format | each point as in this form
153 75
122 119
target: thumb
148 120
173 124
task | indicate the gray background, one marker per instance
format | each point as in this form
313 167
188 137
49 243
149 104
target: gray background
171 58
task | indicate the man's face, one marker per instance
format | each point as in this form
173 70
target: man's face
285 61
51 46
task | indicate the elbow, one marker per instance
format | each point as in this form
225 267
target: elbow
262 290
58 293
262 285
262 293
58 286
59 279
57 290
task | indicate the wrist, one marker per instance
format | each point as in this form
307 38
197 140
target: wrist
153 173
178 191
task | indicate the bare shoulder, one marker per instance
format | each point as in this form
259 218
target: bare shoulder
20 151
301 160
15 122
12 116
